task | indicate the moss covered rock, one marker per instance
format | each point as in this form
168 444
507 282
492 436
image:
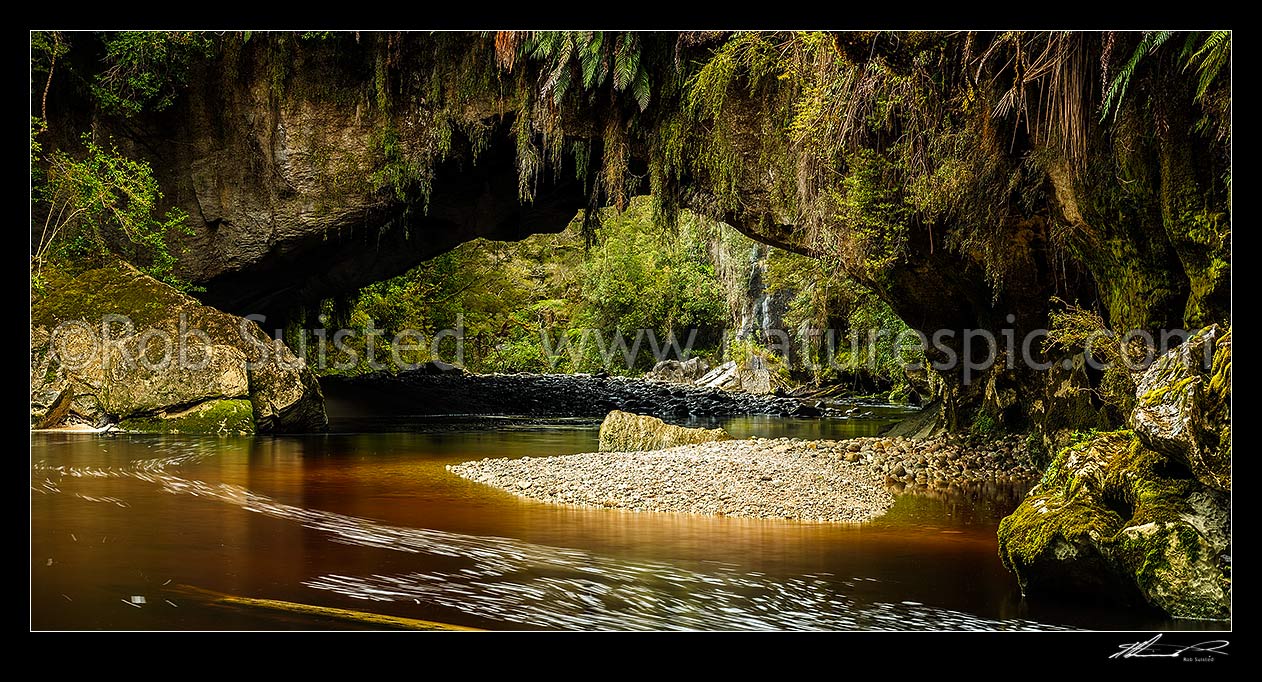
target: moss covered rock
1183 406
112 345
625 432
1118 521
219 417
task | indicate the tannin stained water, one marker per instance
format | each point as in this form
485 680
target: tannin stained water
373 522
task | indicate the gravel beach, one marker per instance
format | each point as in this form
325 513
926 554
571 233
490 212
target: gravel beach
783 478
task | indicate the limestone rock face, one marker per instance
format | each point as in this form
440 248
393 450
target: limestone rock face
723 376
1183 406
1114 520
113 345
626 432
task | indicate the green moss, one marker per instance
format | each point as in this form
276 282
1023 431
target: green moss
112 289
1117 500
1060 509
1029 533
217 417
983 424
1167 392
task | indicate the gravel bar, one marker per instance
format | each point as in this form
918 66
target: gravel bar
759 478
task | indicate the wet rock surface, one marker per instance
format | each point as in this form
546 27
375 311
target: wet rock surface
561 395
112 345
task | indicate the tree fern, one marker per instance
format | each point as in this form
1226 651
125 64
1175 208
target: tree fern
593 60
1117 89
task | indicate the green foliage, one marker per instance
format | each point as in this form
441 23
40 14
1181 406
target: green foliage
529 305
640 278
46 48
103 202
396 172
147 69
1076 330
588 59
873 207
1117 88
1209 60
868 339
983 425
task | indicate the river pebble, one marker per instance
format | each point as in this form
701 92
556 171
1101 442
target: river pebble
784 478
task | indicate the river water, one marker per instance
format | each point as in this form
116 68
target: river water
366 518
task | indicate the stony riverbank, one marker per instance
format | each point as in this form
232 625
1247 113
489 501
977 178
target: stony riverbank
561 395
783 478
939 462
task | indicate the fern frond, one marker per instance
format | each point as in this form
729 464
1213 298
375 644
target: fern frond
626 61
1117 90
558 80
1214 54
642 89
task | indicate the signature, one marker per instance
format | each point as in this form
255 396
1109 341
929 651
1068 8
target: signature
1152 649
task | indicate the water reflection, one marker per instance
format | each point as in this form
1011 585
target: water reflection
372 521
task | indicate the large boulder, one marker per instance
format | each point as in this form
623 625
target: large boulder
1117 521
1183 406
676 372
626 432
1141 515
113 345
724 376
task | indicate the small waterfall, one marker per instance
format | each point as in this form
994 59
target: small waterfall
763 318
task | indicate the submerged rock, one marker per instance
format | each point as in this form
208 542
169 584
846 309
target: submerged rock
114 345
626 432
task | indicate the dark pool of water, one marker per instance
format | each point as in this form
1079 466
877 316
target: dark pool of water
372 521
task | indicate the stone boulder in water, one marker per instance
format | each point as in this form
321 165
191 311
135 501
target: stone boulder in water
114 346
1141 516
626 432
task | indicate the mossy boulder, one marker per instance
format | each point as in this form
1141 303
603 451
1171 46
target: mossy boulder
1183 406
1115 520
111 345
626 432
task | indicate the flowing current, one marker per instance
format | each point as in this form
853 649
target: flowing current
281 508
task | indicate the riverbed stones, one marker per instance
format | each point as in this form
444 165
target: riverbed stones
668 479
765 479
624 431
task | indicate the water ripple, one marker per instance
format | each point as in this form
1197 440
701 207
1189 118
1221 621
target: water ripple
531 585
